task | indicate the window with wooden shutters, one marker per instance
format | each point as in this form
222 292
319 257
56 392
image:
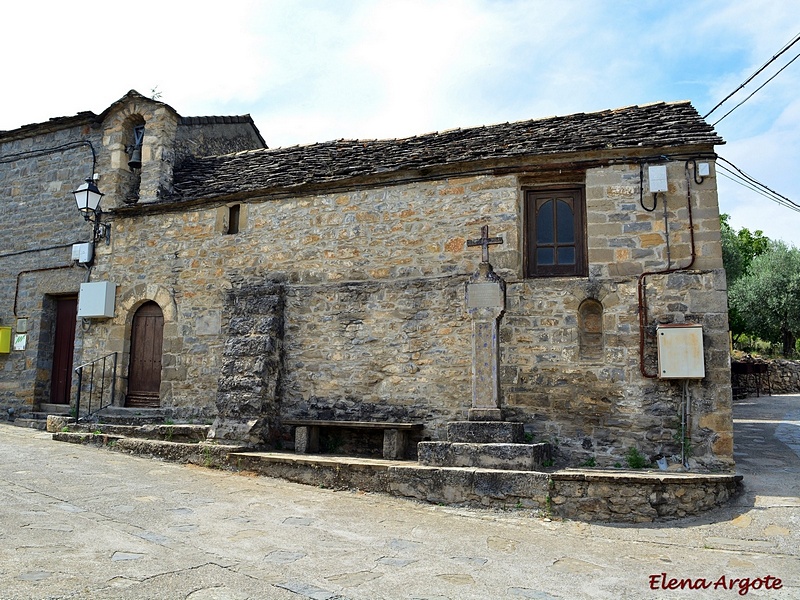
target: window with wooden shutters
555 233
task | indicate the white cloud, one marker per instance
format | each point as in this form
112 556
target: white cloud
313 70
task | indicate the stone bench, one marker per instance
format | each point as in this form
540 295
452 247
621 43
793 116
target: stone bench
395 435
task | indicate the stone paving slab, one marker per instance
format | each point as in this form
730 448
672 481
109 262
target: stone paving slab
83 522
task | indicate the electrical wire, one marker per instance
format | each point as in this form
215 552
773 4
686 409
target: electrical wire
754 75
756 90
7 158
760 192
736 175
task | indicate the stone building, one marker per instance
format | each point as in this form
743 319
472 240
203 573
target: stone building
40 165
328 281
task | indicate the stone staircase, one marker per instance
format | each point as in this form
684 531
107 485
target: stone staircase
485 445
38 419
110 415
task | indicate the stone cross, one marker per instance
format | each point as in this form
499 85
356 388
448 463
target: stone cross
486 299
484 242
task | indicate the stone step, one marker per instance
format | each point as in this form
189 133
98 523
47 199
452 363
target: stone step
116 415
55 409
30 422
515 457
485 432
97 439
179 432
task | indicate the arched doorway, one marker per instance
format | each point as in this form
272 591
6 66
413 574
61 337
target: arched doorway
144 373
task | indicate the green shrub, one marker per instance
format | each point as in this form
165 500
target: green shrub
635 459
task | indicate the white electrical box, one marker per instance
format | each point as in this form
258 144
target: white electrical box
680 352
657 174
96 300
703 170
83 253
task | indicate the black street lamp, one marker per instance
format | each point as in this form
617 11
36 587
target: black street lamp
87 197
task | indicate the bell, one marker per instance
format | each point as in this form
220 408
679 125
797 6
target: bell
136 158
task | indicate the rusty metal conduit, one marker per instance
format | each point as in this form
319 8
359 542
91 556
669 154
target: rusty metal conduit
642 287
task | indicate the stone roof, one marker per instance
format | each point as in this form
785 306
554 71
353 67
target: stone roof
659 125
88 117
217 120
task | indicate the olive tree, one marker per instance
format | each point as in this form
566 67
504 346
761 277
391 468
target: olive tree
767 296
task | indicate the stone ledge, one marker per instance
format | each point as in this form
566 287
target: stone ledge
586 495
629 476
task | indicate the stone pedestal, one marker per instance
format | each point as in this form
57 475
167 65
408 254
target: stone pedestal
485 432
486 298
485 440
485 445
506 457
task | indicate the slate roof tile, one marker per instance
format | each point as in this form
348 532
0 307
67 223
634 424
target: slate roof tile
650 126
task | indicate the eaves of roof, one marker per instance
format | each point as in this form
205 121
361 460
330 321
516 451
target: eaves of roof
660 125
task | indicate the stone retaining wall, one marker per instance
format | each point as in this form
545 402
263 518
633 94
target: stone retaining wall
638 497
784 376
587 495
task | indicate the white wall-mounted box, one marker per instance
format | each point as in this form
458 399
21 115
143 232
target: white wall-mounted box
657 176
83 252
96 300
680 352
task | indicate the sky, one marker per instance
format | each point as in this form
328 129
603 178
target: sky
312 70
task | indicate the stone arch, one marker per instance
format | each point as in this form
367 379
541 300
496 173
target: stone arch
590 329
118 137
155 176
146 357
120 333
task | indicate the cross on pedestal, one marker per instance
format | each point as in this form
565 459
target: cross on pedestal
484 242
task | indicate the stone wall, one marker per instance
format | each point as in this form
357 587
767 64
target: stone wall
637 497
248 410
40 223
784 376
40 165
203 136
374 308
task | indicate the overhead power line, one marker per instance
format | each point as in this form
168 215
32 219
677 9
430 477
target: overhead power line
756 90
736 175
754 75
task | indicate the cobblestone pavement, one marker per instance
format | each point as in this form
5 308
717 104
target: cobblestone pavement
82 522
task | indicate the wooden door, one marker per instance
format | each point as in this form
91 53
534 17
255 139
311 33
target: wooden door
63 350
144 374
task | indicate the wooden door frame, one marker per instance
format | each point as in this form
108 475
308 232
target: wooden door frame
70 334
130 399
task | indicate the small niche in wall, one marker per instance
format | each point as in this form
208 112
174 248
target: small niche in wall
231 219
590 329
234 215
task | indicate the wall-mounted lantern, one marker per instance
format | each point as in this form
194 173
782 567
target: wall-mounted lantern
87 196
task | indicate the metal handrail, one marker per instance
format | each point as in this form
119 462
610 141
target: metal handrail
92 364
